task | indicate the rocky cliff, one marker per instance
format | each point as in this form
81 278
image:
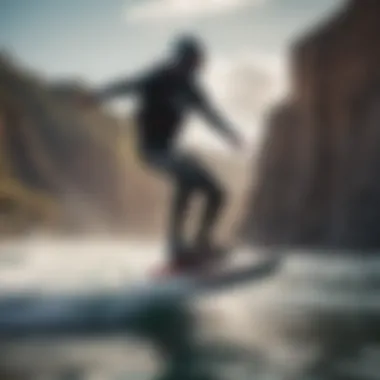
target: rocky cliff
64 167
319 178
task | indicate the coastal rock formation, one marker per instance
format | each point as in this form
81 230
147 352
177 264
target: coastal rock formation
318 182
61 165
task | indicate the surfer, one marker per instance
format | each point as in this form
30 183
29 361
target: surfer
167 93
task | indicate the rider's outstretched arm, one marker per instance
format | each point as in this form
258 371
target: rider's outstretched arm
118 88
213 117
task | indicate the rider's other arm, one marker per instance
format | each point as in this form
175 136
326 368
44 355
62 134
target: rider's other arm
202 104
129 85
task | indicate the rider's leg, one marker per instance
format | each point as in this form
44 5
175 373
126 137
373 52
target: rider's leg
195 177
189 176
181 175
177 219
214 205
214 196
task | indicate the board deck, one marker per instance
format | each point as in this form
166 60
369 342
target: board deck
215 278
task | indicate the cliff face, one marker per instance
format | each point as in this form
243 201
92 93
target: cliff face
61 165
319 181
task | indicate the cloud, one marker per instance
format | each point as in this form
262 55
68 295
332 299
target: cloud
246 85
243 88
151 10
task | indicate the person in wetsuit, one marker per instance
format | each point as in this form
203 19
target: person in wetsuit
167 94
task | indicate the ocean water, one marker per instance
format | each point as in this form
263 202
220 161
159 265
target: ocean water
282 327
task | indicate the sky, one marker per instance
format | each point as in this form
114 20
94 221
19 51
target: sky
99 40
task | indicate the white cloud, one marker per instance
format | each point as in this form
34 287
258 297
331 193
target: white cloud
247 82
243 88
151 10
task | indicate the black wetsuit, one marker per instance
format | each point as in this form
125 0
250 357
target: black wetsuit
166 96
